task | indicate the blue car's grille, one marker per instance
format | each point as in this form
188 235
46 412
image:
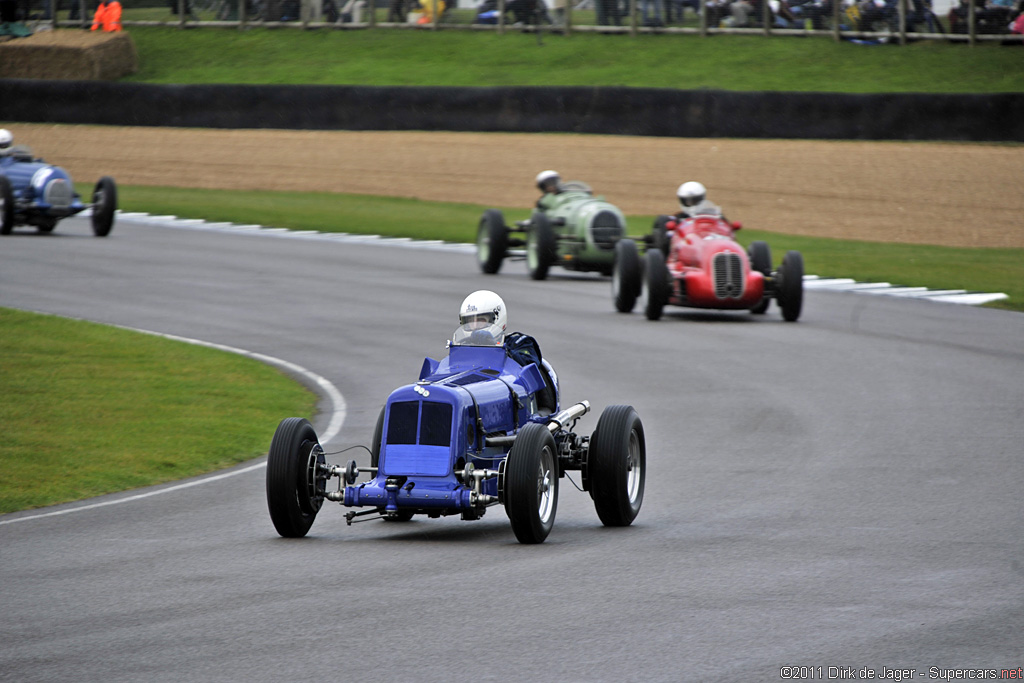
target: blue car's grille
727 269
58 193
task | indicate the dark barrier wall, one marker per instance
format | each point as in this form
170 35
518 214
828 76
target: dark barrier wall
625 111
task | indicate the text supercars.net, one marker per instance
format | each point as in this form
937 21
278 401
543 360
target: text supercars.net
867 673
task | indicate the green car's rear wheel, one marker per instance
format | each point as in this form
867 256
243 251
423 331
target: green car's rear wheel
491 241
541 246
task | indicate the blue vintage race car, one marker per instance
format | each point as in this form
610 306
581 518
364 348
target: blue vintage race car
35 193
478 429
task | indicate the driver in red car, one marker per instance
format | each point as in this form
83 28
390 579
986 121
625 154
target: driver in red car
693 200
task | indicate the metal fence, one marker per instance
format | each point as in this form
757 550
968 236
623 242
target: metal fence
896 21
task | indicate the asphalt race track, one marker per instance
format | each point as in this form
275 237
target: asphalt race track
841 492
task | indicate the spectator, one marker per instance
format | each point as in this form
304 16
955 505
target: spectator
739 13
677 9
397 11
608 13
312 11
108 16
654 17
813 12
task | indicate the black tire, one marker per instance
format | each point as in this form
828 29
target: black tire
531 484
541 246
491 241
659 232
760 255
104 204
658 286
627 277
617 465
790 285
295 487
6 206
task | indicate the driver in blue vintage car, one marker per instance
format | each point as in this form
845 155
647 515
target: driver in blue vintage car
483 321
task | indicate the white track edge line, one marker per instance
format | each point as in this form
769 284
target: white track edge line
811 281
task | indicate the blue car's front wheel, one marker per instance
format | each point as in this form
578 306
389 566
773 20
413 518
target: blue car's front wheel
6 206
296 480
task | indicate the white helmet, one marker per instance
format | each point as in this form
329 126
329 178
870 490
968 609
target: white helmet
691 193
545 177
482 320
5 138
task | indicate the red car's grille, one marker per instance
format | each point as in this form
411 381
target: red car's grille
727 269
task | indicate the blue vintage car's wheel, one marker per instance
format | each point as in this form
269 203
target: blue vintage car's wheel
6 206
761 260
296 482
790 279
531 484
491 241
658 284
104 204
627 277
541 246
617 465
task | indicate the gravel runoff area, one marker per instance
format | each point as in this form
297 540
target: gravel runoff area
965 195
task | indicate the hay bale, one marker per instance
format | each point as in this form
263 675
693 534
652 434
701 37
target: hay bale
70 54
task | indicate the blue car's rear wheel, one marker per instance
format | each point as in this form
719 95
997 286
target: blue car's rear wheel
531 484
6 206
295 481
616 465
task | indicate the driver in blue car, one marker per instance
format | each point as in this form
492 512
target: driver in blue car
483 321
6 142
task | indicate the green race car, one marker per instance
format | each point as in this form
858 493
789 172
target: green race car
570 227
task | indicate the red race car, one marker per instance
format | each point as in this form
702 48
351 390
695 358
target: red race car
696 262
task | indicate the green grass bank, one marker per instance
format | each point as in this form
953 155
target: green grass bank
90 409
467 58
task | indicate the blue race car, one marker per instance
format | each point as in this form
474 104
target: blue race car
478 429
35 193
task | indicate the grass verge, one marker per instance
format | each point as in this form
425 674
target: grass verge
986 270
90 409
387 57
